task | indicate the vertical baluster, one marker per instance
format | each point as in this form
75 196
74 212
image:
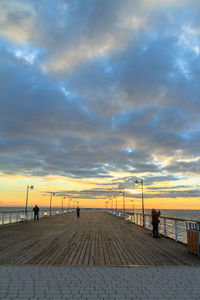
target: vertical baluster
17 217
165 227
2 218
176 230
140 220
10 219
137 219
149 222
144 221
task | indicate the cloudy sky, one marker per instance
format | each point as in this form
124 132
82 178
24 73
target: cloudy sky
95 94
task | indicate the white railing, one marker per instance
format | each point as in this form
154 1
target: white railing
8 217
173 228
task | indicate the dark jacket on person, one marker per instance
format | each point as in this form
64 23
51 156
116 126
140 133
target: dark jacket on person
36 209
154 217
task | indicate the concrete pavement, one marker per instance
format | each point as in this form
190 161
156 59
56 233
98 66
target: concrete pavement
32 282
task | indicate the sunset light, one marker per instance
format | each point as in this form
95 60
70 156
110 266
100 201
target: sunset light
96 95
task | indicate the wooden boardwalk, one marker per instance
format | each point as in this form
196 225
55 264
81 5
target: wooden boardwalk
96 239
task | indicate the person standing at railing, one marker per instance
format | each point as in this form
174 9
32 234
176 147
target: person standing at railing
155 222
78 212
36 212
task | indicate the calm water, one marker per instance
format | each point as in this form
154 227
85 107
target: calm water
174 213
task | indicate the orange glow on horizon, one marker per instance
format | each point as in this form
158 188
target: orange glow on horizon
13 193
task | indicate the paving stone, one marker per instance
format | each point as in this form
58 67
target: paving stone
100 283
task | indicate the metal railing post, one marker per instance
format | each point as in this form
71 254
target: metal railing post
140 219
137 219
2 218
17 217
10 219
176 230
144 221
165 227
149 222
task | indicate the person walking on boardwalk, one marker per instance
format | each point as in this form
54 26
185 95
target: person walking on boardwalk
36 212
78 212
155 221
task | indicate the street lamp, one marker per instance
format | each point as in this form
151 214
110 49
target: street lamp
111 202
133 205
141 182
123 193
28 187
62 201
51 194
69 204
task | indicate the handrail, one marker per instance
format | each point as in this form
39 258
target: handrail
29 210
174 228
164 217
8 217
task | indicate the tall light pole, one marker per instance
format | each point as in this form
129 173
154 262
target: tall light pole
28 187
115 202
111 202
52 194
141 182
123 193
62 201
133 205
69 204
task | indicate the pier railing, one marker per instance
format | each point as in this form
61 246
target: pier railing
173 228
8 217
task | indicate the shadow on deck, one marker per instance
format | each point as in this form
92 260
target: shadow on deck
96 239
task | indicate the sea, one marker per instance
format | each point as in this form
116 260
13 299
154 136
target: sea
187 214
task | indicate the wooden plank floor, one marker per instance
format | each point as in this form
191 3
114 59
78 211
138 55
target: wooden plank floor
96 239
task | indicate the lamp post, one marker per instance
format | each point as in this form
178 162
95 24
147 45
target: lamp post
133 205
62 201
141 182
52 194
123 193
69 204
28 187
111 202
116 202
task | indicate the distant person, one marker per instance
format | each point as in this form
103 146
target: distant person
155 221
36 212
78 212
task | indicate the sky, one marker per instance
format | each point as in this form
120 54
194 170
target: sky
96 94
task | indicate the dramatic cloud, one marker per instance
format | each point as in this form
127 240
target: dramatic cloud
89 89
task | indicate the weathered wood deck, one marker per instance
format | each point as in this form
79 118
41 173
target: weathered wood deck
96 238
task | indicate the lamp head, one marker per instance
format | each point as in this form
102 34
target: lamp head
32 186
136 182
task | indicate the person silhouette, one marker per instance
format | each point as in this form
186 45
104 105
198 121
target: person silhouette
78 212
155 221
36 212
